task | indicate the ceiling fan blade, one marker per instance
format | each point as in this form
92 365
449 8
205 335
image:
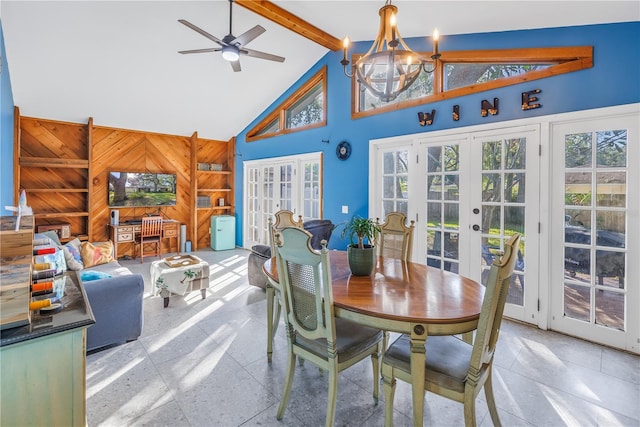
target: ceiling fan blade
235 65
261 55
201 31
247 36
211 49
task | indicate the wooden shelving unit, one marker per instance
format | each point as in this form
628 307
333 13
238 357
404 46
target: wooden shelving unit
214 184
53 168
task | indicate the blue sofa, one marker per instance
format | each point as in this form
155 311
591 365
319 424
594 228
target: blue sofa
116 303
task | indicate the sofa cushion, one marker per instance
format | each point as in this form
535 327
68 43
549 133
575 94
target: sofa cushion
96 253
89 275
72 255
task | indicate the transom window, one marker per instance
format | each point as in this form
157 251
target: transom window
465 72
305 109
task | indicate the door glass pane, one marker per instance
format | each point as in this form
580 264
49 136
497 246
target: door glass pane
611 189
491 187
610 309
491 155
434 214
612 148
443 219
596 293
577 189
515 152
577 300
491 220
578 150
514 187
610 226
451 187
395 180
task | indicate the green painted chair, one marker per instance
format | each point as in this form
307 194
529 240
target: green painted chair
313 332
395 239
454 368
284 218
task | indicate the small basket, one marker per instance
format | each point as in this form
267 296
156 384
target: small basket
216 167
203 166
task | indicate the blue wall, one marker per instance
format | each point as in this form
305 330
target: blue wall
6 133
613 80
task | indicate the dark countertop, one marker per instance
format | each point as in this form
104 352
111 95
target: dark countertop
75 313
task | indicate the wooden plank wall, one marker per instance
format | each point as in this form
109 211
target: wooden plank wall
135 151
76 158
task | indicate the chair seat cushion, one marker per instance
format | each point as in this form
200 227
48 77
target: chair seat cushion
447 359
352 339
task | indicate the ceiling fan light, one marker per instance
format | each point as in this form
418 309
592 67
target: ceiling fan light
230 53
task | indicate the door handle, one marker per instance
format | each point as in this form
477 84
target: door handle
476 227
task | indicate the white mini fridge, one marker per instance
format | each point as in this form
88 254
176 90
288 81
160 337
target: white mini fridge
223 232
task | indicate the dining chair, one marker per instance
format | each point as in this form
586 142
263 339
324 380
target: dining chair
395 238
150 232
454 368
313 331
284 218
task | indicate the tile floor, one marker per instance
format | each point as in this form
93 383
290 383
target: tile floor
203 363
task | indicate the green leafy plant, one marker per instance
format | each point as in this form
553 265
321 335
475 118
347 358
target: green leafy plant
362 228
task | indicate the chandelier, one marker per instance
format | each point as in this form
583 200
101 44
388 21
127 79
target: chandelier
389 67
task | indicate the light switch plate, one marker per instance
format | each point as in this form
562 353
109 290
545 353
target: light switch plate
345 209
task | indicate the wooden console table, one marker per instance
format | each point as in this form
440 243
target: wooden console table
126 232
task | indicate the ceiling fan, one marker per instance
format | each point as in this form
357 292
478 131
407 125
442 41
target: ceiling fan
231 46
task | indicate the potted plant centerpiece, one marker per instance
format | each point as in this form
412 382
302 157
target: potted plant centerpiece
361 255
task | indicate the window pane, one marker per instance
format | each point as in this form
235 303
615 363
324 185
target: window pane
451 158
460 75
491 187
434 163
610 227
611 189
423 86
577 189
577 302
612 148
577 151
451 187
491 155
610 309
307 110
272 127
515 153
514 187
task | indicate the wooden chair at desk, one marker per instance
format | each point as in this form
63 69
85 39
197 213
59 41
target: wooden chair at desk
455 369
150 232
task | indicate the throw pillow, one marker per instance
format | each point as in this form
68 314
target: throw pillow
96 253
72 255
89 275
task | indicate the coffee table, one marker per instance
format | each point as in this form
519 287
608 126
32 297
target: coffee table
178 275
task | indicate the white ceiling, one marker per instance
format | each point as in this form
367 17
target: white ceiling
117 61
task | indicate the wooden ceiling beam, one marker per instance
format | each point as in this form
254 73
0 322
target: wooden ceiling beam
291 22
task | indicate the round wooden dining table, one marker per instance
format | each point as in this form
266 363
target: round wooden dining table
404 297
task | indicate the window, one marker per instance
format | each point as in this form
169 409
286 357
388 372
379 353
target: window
465 72
305 109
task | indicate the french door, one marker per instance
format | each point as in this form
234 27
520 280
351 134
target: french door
595 284
292 183
469 193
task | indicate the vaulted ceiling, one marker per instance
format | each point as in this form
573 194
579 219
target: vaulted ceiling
117 61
